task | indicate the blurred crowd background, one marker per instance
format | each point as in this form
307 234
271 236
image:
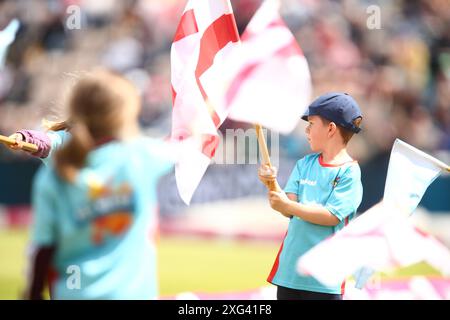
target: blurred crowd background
399 73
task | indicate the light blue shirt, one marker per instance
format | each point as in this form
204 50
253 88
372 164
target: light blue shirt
104 225
57 139
336 188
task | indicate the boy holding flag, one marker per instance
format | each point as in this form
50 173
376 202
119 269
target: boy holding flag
321 195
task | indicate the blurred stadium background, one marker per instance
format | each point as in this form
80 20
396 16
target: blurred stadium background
223 246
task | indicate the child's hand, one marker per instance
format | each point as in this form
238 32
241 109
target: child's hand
279 201
19 141
267 174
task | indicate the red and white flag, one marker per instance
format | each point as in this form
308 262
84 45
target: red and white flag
205 37
269 78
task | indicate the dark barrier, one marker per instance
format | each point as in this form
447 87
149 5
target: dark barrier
436 198
223 182
16 180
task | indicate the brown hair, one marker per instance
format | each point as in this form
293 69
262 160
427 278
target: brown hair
102 106
346 134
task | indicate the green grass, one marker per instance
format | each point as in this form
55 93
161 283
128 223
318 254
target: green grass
213 266
185 264
12 262
420 268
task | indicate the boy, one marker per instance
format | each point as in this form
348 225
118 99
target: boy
321 195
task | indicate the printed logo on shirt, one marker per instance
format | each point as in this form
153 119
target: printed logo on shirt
308 182
113 224
335 182
110 209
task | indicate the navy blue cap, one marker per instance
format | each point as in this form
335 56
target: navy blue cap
339 108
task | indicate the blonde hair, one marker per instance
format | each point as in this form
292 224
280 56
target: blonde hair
102 105
55 125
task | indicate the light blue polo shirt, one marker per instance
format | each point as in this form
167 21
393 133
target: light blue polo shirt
336 188
104 225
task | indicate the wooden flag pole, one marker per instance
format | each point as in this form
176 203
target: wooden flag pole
25 145
273 185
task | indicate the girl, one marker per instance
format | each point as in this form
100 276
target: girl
95 218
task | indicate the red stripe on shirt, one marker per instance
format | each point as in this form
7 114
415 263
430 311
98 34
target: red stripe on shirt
52 277
323 164
343 282
277 262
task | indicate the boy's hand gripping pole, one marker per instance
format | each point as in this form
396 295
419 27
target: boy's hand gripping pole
272 185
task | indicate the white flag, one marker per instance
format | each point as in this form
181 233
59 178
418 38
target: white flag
382 238
269 78
410 172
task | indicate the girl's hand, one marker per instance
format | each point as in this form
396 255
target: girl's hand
279 201
19 141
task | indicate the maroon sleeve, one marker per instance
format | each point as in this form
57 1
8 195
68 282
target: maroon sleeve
39 267
38 138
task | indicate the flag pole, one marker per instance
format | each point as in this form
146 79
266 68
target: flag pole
272 185
25 145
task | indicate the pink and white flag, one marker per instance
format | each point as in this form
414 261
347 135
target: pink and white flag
205 37
382 238
269 79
